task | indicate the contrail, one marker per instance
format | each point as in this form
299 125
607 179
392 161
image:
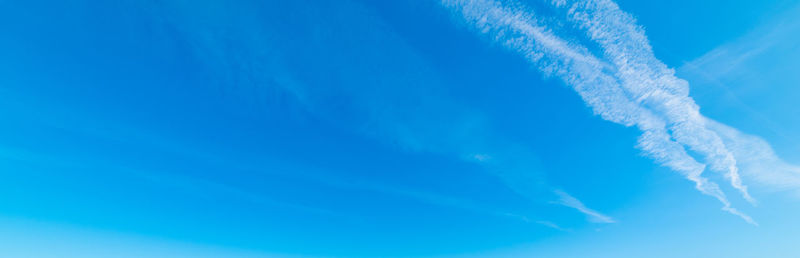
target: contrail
660 107
650 82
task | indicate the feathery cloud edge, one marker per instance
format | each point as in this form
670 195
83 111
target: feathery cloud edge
627 85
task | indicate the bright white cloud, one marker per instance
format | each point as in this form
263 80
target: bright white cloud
651 84
627 84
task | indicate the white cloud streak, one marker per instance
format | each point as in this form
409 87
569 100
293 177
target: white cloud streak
651 83
757 159
737 68
569 201
628 85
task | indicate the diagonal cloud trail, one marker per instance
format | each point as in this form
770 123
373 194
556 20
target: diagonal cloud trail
758 160
572 202
598 84
650 82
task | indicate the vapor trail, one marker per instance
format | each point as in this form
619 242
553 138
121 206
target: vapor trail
660 107
651 83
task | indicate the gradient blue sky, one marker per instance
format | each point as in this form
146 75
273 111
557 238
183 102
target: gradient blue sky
393 128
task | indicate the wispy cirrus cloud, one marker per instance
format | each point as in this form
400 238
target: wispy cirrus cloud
625 83
650 83
572 202
401 103
758 160
733 71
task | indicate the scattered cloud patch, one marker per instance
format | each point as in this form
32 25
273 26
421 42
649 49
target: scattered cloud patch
481 157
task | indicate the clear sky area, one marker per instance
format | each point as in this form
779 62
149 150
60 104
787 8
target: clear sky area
357 128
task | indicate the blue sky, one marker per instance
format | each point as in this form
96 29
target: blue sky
358 128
